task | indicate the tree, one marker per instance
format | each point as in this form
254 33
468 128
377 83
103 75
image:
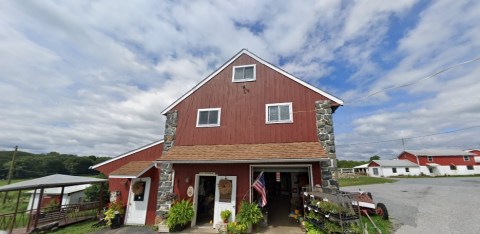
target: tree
374 157
92 193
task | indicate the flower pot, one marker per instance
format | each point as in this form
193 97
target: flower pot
116 222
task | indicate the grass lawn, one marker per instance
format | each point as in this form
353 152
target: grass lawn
11 200
79 228
363 180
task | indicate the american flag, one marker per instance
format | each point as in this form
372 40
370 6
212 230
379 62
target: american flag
259 185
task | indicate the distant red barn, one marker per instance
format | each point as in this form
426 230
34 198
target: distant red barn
442 162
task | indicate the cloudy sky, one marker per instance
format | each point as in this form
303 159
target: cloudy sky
91 77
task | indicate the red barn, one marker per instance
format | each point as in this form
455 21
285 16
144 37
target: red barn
245 119
136 166
442 162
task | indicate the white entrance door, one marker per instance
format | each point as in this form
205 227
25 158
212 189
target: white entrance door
136 213
225 201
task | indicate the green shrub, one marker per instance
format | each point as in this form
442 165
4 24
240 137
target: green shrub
249 214
180 214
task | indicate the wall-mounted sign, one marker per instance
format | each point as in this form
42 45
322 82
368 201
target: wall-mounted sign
207 173
190 191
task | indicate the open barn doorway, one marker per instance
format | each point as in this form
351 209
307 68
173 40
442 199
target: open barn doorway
283 185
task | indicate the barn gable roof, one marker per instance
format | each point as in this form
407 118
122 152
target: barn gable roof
245 51
127 154
434 153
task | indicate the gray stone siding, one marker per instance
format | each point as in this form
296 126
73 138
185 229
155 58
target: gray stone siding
326 138
165 185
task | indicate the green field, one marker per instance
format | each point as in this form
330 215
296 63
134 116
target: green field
363 180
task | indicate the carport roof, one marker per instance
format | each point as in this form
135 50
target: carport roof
51 181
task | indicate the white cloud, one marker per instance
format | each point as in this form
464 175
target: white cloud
91 77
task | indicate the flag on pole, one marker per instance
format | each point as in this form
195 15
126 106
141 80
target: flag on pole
259 185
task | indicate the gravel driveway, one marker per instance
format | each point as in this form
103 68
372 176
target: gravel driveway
430 205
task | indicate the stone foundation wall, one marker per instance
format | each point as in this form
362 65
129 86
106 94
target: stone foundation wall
326 138
165 186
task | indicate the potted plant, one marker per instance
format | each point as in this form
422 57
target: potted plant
225 214
113 215
179 215
249 214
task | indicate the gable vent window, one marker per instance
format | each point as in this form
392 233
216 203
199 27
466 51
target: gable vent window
244 73
208 117
279 113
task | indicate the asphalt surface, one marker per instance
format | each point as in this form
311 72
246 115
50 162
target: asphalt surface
430 205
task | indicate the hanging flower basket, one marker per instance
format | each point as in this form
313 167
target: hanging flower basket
137 187
225 186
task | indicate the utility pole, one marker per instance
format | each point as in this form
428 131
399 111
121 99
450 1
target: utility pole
10 172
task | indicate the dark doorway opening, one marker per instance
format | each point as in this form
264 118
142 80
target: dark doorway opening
283 196
206 199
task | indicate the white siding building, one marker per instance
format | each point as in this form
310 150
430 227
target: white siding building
387 168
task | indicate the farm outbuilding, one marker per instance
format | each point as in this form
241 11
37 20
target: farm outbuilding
387 168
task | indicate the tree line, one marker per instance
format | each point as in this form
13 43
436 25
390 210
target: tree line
351 163
30 165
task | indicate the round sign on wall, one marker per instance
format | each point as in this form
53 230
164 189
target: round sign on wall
190 191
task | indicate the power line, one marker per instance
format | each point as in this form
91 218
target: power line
414 82
408 138
402 85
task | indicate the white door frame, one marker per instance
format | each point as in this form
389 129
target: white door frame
250 180
148 186
195 197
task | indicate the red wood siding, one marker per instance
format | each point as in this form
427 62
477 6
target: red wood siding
243 111
408 156
149 154
242 171
447 160
123 185
373 164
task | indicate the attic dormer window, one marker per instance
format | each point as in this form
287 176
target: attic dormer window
244 73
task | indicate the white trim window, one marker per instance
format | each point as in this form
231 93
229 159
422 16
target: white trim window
279 113
466 158
244 73
430 158
209 117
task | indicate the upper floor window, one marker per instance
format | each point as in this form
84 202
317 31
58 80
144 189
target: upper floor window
244 73
208 117
279 113
466 158
430 158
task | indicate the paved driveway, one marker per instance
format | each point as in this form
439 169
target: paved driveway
430 205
